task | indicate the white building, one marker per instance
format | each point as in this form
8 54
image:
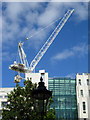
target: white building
83 96
35 77
3 98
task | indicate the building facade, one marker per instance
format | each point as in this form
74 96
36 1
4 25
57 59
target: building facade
83 96
35 77
3 98
71 96
64 93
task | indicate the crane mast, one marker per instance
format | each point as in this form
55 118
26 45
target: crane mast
22 55
50 39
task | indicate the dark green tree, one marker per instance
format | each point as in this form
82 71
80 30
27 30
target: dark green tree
21 106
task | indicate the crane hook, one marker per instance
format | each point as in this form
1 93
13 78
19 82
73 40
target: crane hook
26 38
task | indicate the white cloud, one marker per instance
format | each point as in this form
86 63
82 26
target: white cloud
34 16
63 55
79 51
51 13
71 75
6 56
21 20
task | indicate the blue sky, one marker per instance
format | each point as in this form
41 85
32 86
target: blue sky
67 55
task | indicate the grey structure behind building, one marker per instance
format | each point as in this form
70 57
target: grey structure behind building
64 93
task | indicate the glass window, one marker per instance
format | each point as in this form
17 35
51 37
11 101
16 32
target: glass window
50 81
87 81
89 93
81 92
4 104
79 81
57 81
6 96
84 106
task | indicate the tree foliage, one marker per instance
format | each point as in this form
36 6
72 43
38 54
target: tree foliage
21 106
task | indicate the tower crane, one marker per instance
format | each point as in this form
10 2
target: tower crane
23 67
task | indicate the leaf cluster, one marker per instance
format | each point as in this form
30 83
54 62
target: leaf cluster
21 105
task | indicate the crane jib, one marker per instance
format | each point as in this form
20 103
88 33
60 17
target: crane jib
50 39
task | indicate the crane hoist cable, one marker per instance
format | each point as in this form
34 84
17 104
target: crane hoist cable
42 29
